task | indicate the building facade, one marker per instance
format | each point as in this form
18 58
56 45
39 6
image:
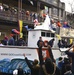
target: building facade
11 11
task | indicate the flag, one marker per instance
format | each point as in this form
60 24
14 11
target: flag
71 41
14 31
21 35
58 36
20 27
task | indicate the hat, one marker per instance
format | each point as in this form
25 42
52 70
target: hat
5 37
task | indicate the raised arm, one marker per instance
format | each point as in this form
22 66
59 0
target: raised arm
70 53
28 62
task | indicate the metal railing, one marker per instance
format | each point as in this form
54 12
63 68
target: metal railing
62 5
7 15
47 1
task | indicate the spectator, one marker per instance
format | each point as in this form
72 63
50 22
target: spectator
21 42
58 27
71 54
68 70
1 43
66 62
60 44
5 40
53 25
11 41
20 71
35 67
60 63
50 68
64 43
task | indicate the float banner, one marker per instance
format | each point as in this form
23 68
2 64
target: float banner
13 53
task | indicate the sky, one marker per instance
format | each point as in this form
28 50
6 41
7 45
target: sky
68 5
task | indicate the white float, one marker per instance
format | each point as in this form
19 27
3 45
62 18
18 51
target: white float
45 31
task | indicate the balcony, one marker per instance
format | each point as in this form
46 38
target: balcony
61 5
54 3
8 16
47 1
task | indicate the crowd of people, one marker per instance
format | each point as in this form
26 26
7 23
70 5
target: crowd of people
51 66
26 14
64 66
64 43
12 42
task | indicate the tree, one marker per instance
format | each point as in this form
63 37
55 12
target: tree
70 16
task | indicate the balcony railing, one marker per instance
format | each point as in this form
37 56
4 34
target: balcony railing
51 2
62 5
7 15
47 1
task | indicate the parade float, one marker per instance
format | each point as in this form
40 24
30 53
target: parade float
13 55
31 50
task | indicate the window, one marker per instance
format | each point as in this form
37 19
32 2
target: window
52 35
48 34
42 33
55 11
61 13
